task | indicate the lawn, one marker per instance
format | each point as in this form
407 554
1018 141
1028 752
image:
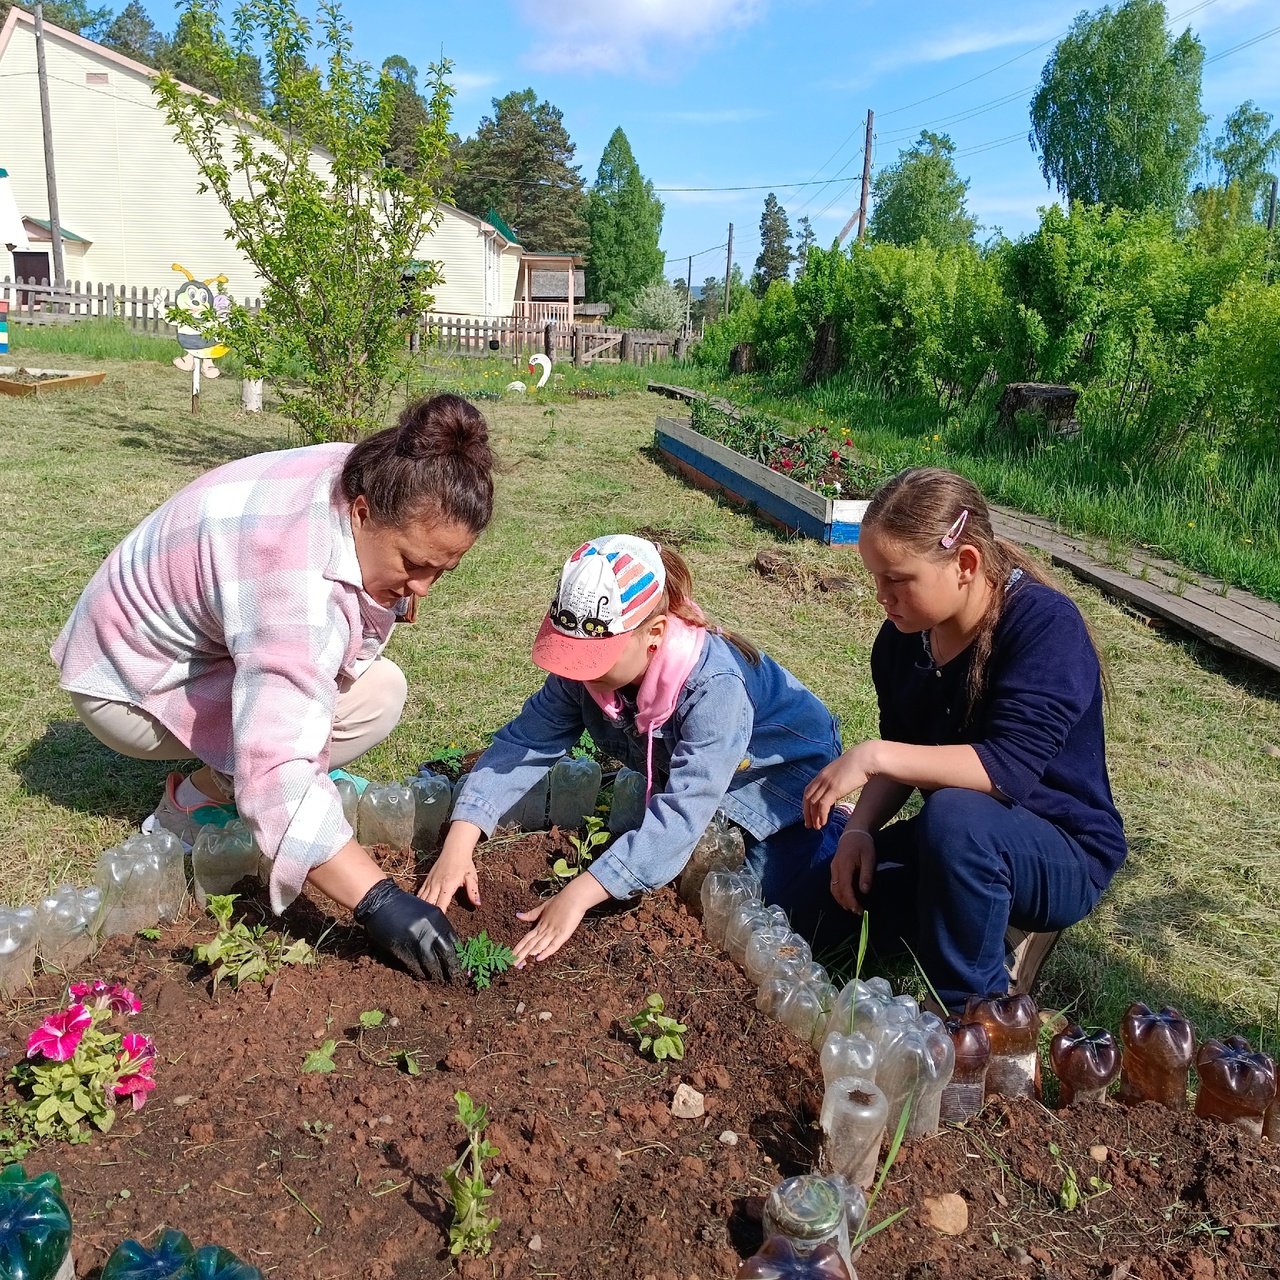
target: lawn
1193 737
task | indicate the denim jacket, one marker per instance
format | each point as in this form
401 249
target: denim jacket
745 739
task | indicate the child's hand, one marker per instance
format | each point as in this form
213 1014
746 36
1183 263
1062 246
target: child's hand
558 917
853 869
454 868
847 773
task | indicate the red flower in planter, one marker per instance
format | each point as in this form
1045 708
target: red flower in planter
137 1062
786 462
58 1036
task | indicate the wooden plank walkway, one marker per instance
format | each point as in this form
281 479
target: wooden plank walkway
1225 617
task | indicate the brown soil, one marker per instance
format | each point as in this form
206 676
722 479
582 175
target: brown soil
595 1177
28 379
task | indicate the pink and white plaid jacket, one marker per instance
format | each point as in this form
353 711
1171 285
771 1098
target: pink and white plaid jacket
229 614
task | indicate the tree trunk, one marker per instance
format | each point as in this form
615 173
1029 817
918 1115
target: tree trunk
1055 405
742 359
825 359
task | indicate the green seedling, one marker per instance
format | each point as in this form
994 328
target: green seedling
659 1035
593 835
407 1061
481 958
371 1018
865 1232
149 935
1071 1195
321 1059
472 1228
246 953
318 1129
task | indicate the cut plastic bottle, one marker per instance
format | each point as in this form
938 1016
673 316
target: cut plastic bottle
64 926
804 1011
810 1211
779 1259
17 949
1156 1056
720 848
779 951
1085 1062
575 792
854 1116
722 893
130 884
221 857
1013 1029
169 861
626 812
350 798
386 816
173 1257
529 813
35 1227
914 1069
432 796
1271 1123
748 919
964 1094
847 1055
1237 1084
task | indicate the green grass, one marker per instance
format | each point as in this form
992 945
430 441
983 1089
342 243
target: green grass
1213 511
96 339
1192 919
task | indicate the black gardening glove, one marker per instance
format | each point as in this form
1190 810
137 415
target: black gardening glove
410 930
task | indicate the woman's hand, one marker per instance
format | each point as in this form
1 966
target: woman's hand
454 868
558 917
853 869
846 773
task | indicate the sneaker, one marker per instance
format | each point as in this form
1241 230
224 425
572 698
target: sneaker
185 823
1026 953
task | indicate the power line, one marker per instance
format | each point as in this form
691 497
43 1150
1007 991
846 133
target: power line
1226 53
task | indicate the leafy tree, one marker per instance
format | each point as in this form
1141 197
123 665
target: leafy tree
659 306
1243 150
1117 117
774 262
134 34
624 218
244 81
409 114
520 162
333 233
805 240
71 15
921 197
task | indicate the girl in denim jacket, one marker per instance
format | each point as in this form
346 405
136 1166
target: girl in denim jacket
711 722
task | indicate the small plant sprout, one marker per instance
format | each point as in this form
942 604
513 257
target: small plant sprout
593 835
321 1059
318 1129
482 958
371 1018
659 1036
1070 1195
246 953
472 1228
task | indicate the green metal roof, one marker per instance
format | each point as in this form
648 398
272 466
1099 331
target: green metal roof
66 235
494 220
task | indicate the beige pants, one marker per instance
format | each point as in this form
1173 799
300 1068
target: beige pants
367 709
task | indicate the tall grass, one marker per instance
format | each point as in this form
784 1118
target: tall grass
1216 511
96 339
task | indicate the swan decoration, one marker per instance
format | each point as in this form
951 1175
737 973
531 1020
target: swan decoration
199 305
535 363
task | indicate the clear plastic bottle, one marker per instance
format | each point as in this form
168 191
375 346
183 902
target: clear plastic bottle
745 921
915 1068
432 796
64 926
1085 1062
386 816
857 1007
626 813
804 1011
1013 1028
964 1094
722 893
17 949
221 857
169 861
779 1259
35 1227
1156 1056
809 1210
1237 1085
720 848
130 884
529 813
575 791
854 1115
847 1055
776 950
350 798
772 994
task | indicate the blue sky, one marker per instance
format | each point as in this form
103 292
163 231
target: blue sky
720 93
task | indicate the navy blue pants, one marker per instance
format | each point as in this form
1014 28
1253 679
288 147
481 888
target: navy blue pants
949 882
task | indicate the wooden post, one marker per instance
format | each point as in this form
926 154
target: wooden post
1271 208
728 271
549 341
50 175
866 178
578 344
624 347
571 285
688 293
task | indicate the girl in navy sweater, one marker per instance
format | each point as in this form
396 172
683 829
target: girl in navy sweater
990 689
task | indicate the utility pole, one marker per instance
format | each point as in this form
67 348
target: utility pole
866 178
50 177
1271 209
728 272
688 295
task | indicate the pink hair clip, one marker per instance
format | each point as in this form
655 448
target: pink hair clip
952 535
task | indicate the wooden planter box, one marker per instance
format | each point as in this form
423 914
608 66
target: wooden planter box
781 500
53 380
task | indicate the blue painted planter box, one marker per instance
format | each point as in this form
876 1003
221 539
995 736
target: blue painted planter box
785 502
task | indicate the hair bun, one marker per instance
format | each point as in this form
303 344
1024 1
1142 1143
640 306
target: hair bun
446 426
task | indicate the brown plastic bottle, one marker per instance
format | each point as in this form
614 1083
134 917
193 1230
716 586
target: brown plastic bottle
963 1097
778 1259
1085 1062
1271 1123
1236 1084
1013 1029
1157 1054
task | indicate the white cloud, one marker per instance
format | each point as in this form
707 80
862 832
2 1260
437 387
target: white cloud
957 43
628 35
472 82
728 115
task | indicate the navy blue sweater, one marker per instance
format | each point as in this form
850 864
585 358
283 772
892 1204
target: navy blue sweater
1037 727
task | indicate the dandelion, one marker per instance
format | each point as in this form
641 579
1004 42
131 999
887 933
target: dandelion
58 1036
1191 524
1250 540
937 437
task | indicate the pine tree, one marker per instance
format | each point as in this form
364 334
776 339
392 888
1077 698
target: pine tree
408 115
520 163
134 34
180 57
625 220
804 242
774 262
70 15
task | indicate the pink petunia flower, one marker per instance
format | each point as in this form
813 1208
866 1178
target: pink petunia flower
59 1034
786 462
137 1063
136 1046
107 995
136 1086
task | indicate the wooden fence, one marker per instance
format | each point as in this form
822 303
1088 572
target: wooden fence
143 310
584 344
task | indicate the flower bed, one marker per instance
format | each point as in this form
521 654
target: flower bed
31 382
